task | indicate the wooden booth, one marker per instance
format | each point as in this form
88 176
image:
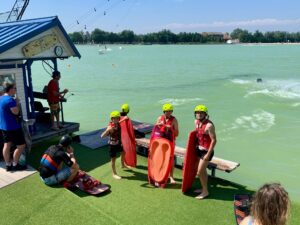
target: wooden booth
23 43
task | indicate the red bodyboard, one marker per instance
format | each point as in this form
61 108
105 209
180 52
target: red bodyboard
160 158
128 142
190 163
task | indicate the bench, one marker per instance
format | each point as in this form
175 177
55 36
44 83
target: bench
215 163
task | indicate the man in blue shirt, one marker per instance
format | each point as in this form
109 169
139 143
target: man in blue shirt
10 128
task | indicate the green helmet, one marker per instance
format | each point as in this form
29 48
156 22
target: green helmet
167 107
201 108
115 114
125 108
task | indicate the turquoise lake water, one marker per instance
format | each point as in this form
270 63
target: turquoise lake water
257 124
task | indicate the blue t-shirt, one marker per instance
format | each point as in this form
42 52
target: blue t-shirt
8 121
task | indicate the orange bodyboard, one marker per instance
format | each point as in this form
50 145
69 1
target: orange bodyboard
160 159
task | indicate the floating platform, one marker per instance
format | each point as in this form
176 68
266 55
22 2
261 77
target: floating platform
43 131
93 139
215 163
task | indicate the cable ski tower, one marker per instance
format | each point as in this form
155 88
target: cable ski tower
17 11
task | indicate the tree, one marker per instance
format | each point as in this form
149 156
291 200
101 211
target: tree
98 36
258 36
242 35
87 37
76 37
127 36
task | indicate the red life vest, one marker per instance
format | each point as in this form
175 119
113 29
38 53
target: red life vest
115 136
204 139
164 120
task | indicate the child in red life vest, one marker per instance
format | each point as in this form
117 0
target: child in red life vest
168 122
113 130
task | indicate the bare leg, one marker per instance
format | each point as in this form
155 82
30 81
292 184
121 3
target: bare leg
18 152
113 167
74 171
57 119
123 159
52 119
172 180
6 153
202 174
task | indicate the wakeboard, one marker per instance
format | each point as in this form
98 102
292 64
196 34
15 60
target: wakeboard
87 183
241 207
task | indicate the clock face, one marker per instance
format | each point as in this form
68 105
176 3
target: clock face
58 51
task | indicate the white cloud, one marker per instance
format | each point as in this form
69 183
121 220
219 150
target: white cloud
243 23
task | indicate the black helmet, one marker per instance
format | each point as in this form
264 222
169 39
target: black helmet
65 141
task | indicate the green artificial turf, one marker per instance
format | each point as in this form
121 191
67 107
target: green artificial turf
131 200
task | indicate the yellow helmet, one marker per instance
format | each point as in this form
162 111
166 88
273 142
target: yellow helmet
115 114
167 107
125 108
201 108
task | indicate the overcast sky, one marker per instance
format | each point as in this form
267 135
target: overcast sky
143 16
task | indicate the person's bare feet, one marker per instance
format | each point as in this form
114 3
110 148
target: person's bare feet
126 167
172 181
117 177
202 196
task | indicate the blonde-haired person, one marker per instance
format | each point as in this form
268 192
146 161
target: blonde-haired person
270 206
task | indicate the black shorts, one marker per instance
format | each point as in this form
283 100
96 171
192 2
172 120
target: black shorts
113 149
14 136
202 153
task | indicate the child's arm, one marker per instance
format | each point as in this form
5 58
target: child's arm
123 119
158 122
106 132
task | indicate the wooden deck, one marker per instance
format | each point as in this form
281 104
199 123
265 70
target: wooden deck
44 132
7 178
215 163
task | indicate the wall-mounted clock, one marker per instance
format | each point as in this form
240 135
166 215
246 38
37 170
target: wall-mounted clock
58 51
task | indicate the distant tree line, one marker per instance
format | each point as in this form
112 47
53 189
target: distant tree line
167 37
267 37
